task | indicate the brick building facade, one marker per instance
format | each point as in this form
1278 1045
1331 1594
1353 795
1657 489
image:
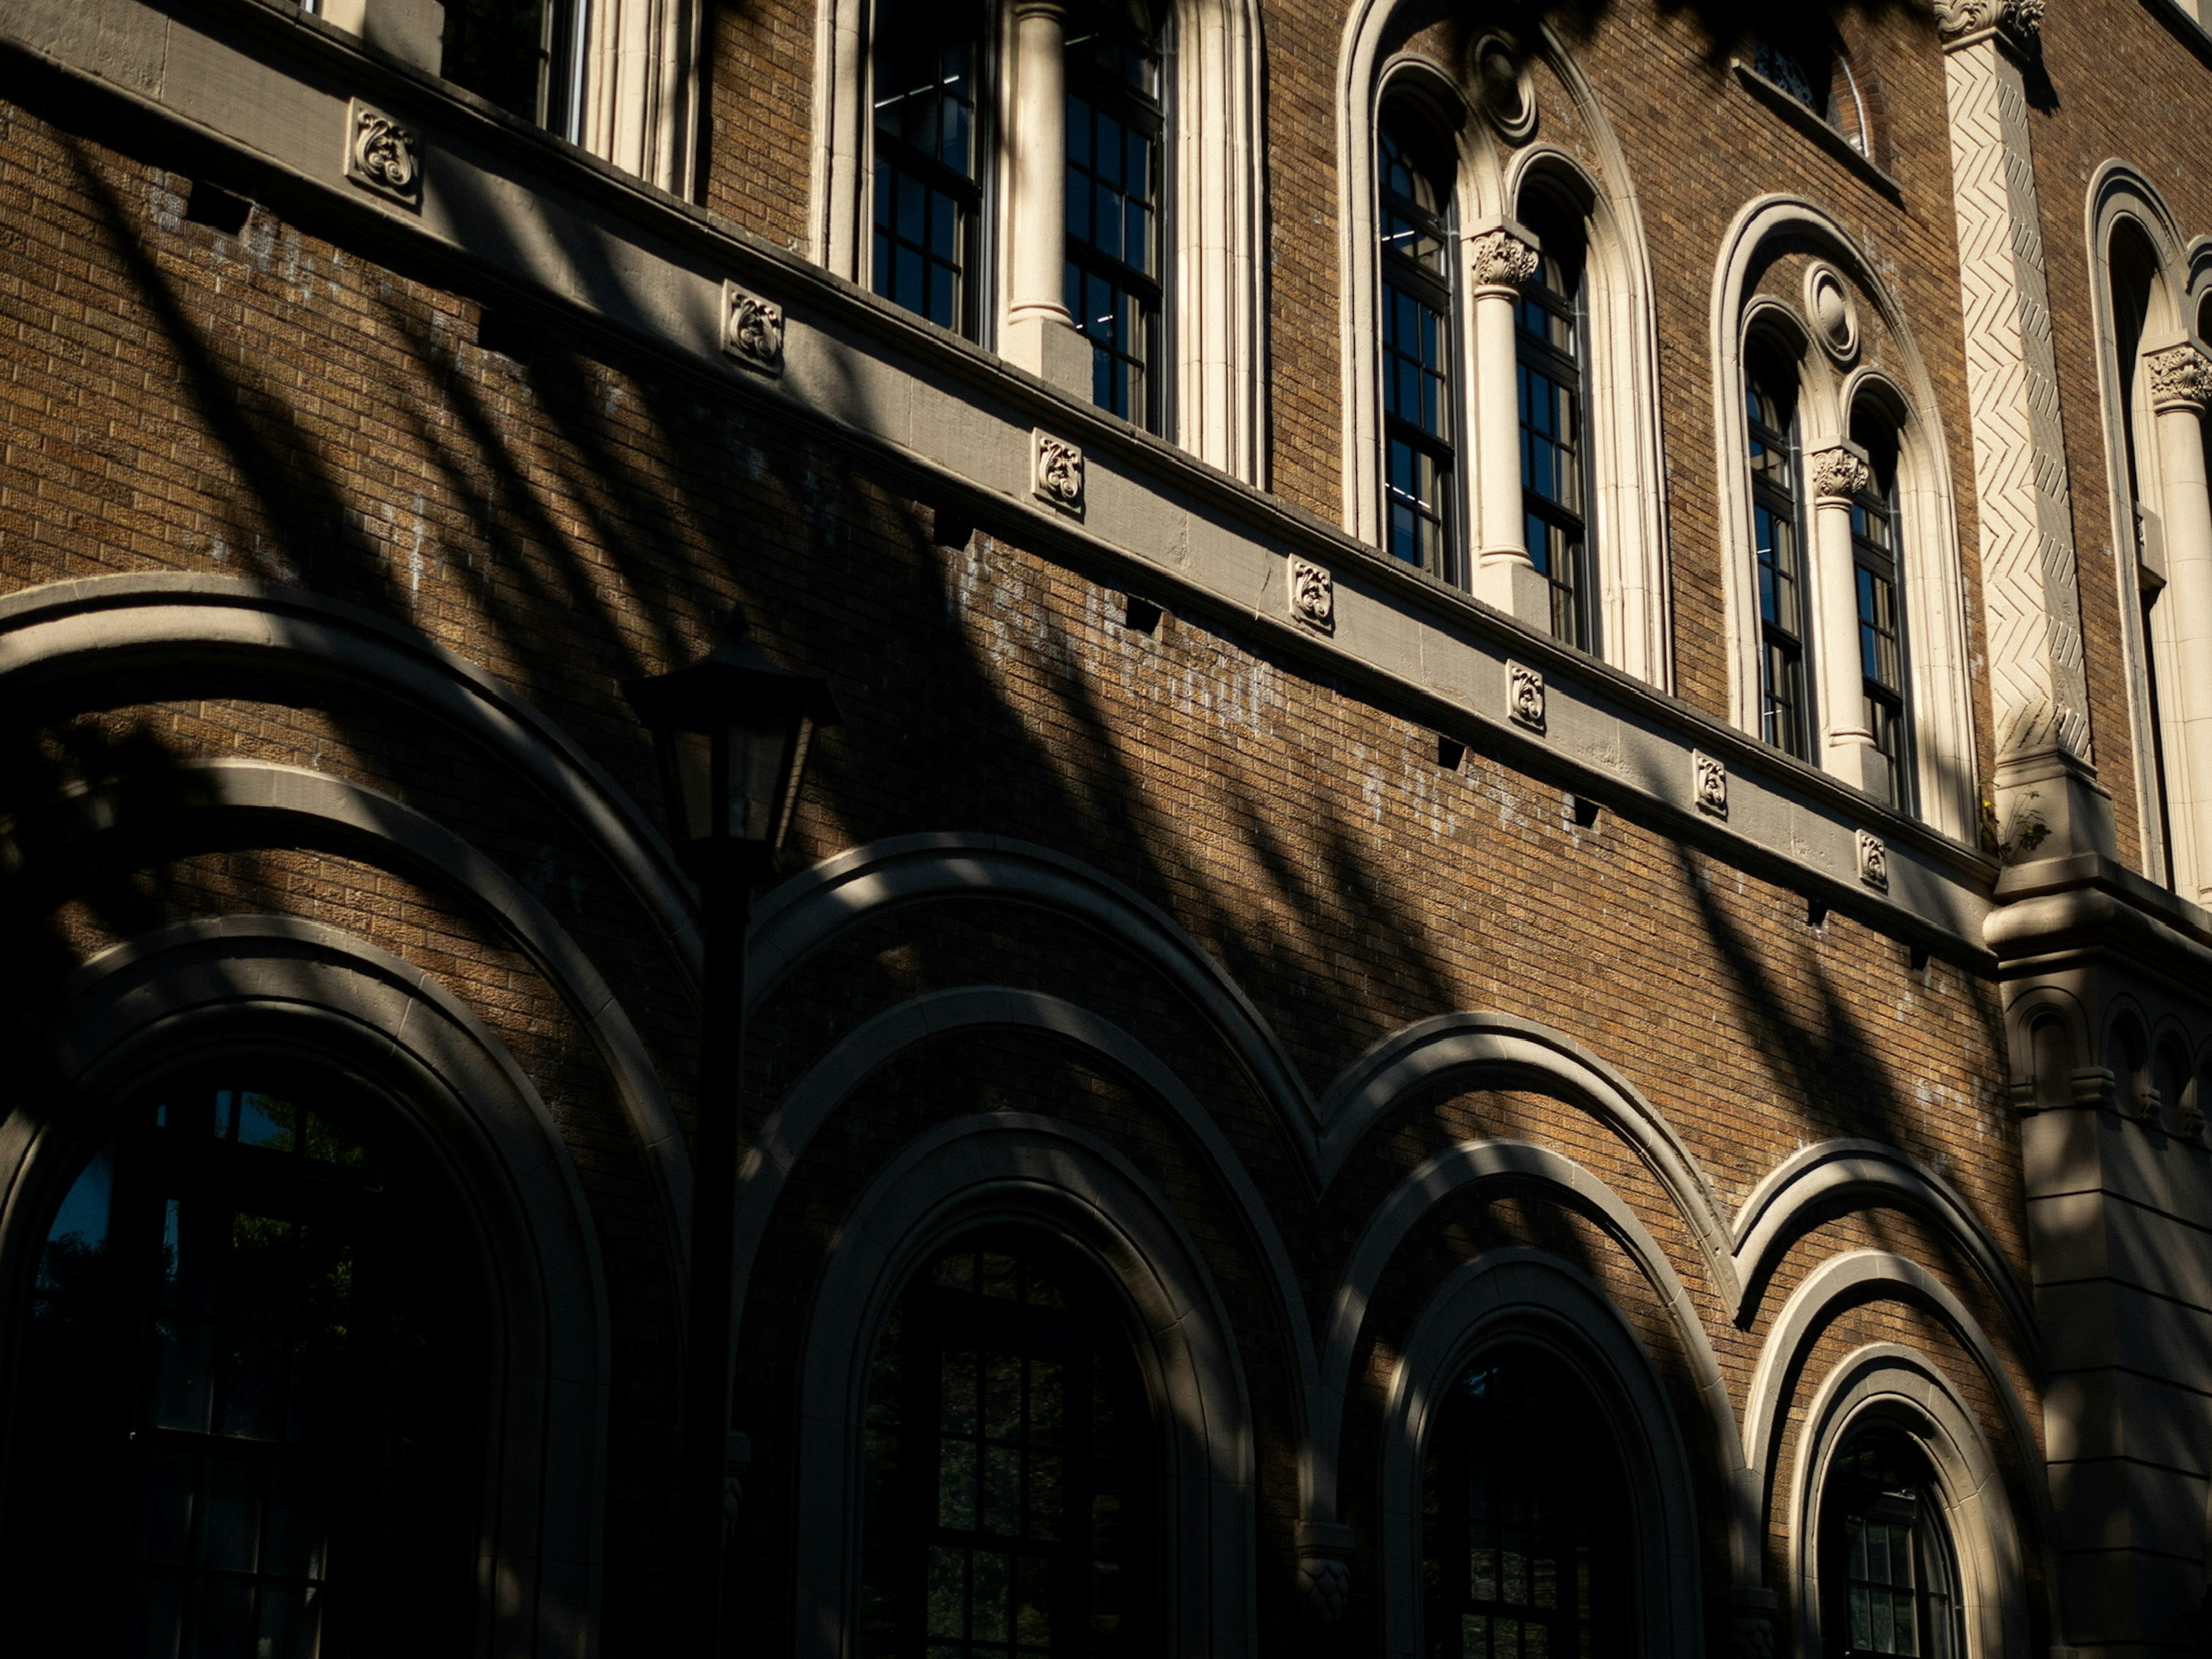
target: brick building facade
1562 930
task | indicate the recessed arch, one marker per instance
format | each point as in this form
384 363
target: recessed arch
264 984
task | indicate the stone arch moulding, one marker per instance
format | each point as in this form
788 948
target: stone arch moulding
306 808
1887 1382
1451 1171
2121 195
1510 1293
1869 1171
1215 219
814 1099
1630 518
97 627
1005 1167
199 988
1935 586
1635 626
1842 1281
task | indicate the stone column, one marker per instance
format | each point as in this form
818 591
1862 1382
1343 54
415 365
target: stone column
1498 262
2180 386
2047 795
1838 475
1037 333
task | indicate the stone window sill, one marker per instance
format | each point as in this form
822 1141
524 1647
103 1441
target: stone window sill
1815 129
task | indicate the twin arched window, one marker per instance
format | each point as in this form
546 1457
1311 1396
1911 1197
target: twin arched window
1422 482
250 1416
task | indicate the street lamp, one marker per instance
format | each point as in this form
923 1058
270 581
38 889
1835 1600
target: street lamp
732 732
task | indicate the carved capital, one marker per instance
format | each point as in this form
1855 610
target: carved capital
2019 22
1524 695
2180 375
1709 783
382 154
1839 474
1324 1585
752 330
1873 861
1313 594
1056 471
1498 258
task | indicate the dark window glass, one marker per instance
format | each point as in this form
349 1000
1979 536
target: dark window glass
1524 1518
1554 436
253 1393
928 185
1115 148
1881 623
1887 1573
1777 533
1421 466
1808 62
520 54
1010 1507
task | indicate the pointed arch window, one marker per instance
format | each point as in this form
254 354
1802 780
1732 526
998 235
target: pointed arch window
254 1388
1883 655
1552 342
1010 1506
1778 537
1117 146
929 153
1421 461
1888 1574
1524 1546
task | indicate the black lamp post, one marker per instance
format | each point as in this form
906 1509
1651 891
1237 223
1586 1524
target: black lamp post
732 732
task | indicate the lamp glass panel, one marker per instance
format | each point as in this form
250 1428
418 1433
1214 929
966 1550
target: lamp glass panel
757 752
691 762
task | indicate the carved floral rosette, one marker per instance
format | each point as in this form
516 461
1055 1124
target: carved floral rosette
1709 783
1839 474
1524 695
1498 258
382 154
752 330
1056 471
1873 860
2180 376
2019 23
1313 594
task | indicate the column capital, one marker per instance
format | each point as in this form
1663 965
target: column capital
2181 378
1054 11
1840 473
1500 258
2017 23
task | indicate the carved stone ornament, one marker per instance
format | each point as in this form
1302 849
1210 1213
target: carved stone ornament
1834 311
752 330
1755 1635
2180 374
1503 88
1325 1586
1709 783
2020 21
1313 594
383 156
1873 860
1056 471
1838 474
1524 694
1499 259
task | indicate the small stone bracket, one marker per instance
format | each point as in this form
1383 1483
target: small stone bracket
1709 783
383 156
752 330
1873 860
1313 595
1056 471
1524 695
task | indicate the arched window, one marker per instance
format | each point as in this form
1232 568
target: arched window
1011 1503
1779 536
251 1411
1420 472
1524 1544
1876 518
1807 61
1117 145
929 155
1552 349
1889 1577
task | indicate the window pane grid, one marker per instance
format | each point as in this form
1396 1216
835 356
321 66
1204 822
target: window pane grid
1115 124
1881 643
927 192
1420 464
1553 479
1785 715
